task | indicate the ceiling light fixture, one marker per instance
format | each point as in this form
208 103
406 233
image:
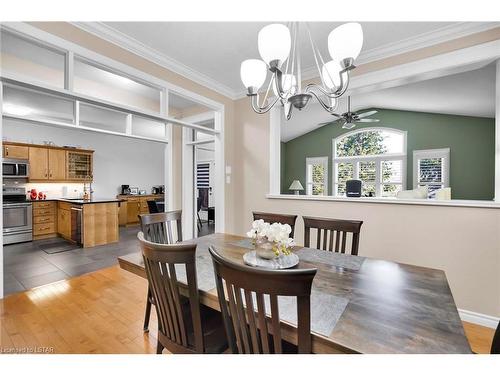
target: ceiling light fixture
280 53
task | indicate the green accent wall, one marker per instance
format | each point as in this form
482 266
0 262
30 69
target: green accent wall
471 141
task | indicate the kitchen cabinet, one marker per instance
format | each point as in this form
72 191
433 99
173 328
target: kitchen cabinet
47 164
64 220
44 219
134 205
15 152
79 166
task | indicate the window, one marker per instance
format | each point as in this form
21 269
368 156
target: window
26 58
376 156
101 118
317 176
431 168
101 83
144 127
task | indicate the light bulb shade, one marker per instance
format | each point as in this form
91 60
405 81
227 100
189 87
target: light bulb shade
274 43
345 41
331 75
288 83
253 73
296 185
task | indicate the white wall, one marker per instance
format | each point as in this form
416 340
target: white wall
117 160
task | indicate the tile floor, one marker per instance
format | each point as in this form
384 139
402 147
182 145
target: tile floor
27 266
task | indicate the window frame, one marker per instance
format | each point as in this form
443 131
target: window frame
378 159
312 161
434 153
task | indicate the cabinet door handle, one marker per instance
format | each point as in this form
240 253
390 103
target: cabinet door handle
6 151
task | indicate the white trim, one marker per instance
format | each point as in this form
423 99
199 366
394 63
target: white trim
389 200
1 196
316 160
443 153
275 150
130 44
478 318
497 134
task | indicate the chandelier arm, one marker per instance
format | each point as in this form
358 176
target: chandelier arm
261 110
315 52
343 84
329 108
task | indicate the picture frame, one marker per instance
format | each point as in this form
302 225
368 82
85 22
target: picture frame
134 190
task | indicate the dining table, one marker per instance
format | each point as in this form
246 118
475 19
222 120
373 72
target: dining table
358 304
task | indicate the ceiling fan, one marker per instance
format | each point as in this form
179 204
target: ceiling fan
349 119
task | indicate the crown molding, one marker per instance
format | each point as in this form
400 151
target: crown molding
444 34
130 44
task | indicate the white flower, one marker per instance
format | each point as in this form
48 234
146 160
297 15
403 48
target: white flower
276 232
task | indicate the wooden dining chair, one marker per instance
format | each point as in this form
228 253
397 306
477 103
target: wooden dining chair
159 228
183 325
335 228
247 326
495 345
277 218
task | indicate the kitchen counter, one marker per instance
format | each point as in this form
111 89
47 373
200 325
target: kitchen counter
80 201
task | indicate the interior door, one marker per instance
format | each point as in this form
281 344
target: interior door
39 163
57 164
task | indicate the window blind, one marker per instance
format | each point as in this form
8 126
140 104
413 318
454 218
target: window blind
203 176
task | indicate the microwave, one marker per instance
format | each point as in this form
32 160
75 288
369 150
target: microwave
15 168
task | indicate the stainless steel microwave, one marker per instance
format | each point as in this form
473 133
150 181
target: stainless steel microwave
15 168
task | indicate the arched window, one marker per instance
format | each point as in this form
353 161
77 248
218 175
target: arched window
376 156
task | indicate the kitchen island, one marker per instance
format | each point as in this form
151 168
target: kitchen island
88 222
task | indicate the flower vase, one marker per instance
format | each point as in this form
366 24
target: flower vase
264 249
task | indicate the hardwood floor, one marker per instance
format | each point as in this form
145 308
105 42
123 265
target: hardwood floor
100 312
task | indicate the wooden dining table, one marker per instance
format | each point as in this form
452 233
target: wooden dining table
390 307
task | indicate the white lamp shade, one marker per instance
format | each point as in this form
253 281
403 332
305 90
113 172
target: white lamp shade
253 73
331 75
345 41
288 83
296 185
274 42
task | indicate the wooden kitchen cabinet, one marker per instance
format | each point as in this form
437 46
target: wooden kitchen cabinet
79 166
57 164
134 205
15 152
64 220
44 219
39 163
133 209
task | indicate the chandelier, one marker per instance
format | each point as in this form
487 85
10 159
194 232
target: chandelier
280 53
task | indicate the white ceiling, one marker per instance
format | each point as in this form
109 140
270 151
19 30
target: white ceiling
211 52
468 94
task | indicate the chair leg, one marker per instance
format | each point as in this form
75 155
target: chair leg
148 311
200 224
159 348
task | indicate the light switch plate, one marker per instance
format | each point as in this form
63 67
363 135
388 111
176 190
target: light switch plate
228 179
228 169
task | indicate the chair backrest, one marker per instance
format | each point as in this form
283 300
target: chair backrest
244 316
332 228
159 227
277 218
159 261
153 208
495 345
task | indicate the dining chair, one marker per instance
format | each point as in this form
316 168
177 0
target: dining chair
158 228
495 345
153 207
183 325
331 228
243 292
276 218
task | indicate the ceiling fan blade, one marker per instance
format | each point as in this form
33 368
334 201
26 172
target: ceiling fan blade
366 114
368 120
348 125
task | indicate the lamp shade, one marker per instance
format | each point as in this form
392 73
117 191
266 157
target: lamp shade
331 75
253 73
274 42
296 185
289 84
345 41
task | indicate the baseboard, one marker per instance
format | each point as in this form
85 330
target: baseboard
478 318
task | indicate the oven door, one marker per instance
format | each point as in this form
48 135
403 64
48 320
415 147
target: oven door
17 217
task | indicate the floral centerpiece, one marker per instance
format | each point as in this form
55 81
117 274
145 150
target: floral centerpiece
271 239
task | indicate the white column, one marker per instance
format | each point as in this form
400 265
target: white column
1 197
220 172
497 134
275 150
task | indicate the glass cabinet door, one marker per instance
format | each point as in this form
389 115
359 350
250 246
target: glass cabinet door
79 166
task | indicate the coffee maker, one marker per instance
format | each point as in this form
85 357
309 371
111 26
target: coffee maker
125 189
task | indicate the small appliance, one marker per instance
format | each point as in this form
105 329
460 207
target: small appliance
353 188
125 189
17 215
15 168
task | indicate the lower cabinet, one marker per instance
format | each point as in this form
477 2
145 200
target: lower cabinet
134 205
64 220
44 219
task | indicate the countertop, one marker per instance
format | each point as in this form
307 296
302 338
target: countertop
81 201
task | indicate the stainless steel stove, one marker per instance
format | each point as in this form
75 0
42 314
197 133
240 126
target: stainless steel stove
17 215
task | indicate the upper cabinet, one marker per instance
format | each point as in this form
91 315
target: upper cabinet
15 152
53 164
79 166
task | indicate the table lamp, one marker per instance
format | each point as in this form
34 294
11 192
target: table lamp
296 186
